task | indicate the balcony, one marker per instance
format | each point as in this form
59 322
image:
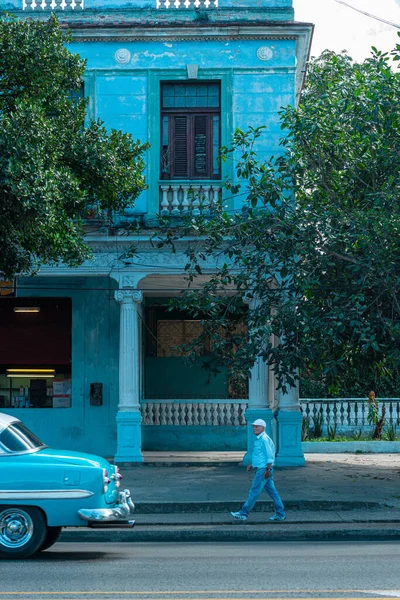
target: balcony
188 199
52 5
187 4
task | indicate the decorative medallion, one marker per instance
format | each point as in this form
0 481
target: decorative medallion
264 53
122 56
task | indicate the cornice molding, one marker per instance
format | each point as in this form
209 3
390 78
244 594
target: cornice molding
300 33
171 38
184 32
108 260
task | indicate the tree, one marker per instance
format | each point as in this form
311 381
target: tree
53 169
317 242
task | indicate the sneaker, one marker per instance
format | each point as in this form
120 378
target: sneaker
238 515
277 518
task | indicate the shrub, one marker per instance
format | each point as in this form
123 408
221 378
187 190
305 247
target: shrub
318 423
305 428
373 416
391 433
332 433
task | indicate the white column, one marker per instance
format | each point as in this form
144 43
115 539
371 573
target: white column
129 349
289 401
129 417
259 402
258 385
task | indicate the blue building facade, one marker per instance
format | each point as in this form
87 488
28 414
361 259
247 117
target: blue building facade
181 75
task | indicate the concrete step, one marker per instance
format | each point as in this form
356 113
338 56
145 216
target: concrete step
186 459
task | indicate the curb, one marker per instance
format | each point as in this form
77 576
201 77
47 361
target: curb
228 535
179 463
261 506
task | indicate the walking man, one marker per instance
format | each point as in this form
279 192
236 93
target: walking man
262 461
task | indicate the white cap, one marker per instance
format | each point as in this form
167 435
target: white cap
260 423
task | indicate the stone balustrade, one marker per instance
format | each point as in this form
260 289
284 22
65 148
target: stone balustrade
180 200
348 412
344 413
52 5
203 412
187 4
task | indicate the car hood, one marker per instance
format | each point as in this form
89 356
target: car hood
69 457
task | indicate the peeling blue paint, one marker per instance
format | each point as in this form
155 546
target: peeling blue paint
257 72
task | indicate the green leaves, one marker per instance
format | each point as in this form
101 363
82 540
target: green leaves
53 169
322 271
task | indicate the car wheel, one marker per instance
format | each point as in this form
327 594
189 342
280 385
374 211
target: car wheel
53 533
22 531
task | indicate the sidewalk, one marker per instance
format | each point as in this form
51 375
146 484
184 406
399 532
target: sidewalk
188 497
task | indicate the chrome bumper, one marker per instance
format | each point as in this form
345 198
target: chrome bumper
118 516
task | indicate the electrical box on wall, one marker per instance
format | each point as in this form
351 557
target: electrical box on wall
96 394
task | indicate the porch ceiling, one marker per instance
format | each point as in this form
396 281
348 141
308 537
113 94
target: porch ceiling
172 285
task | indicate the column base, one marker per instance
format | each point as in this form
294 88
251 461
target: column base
290 453
251 415
129 437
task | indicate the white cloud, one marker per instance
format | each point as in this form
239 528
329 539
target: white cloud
338 27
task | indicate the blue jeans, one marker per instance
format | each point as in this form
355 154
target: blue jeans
259 482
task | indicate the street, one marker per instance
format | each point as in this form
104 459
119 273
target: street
206 571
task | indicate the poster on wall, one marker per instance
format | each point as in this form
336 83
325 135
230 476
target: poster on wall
62 393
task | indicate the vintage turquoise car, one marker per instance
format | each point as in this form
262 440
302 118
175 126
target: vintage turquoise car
43 490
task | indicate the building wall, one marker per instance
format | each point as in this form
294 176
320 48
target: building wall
127 95
200 438
95 353
122 81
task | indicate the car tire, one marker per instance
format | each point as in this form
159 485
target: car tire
23 530
53 533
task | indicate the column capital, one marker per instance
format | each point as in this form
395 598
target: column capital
128 296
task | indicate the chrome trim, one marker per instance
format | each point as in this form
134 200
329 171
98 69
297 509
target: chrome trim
44 494
6 420
114 525
30 451
120 512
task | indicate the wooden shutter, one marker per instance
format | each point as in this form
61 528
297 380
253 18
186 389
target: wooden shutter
200 155
190 135
180 153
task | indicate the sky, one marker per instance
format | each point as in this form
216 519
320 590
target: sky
340 28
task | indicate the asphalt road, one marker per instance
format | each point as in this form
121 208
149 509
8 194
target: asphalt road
206 571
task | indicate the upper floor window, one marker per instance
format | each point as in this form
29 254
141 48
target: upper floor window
190 130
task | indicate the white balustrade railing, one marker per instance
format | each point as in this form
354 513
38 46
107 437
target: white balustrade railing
203 412
52 4
179 200
187 3
348 412
344 413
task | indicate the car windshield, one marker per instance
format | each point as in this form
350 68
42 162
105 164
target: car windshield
17 438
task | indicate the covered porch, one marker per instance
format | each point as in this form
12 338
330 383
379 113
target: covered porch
167 405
